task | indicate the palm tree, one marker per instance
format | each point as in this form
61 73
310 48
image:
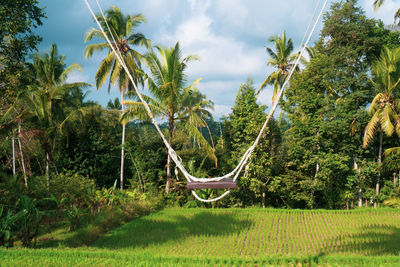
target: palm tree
283 59
172 98
385 107
120 29
195 111
46 102
378 3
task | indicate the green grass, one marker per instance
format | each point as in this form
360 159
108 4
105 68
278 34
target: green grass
241 237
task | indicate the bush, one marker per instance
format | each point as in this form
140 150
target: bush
71 186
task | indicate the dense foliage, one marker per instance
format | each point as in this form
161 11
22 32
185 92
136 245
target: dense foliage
60 155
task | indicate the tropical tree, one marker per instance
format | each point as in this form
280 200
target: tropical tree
322 102
241 129
282 58
120 30
378 3
172 98
195 111
45 102
385 107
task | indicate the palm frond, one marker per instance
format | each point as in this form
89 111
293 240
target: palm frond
136 111
263 85
377 4
392 151
105 68
64 75
386 120
375 103
90 49
193 131
92 33
371 129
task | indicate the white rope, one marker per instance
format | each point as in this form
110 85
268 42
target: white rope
209 200
171 151
236 171
309 23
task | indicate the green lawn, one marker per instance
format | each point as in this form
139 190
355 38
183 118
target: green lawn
204 237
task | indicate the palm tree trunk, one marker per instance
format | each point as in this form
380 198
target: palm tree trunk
47 171
280 117
170 134
359 190
122 145
51 158
13 154
22 155
379 162
209 133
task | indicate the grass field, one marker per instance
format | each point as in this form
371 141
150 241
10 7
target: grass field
202 237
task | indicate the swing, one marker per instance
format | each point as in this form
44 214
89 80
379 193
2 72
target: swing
222 182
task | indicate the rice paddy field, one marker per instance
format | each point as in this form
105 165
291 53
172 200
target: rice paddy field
235 237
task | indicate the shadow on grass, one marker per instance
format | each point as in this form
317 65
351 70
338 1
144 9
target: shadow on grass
373 240
147 231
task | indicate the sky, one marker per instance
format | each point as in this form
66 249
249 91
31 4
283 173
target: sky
229 37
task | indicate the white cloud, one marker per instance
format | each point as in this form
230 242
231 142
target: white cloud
385 12
77 76
221 110
220 55
221 92
265 96
228 35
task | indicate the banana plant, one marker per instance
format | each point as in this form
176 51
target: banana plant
8 222
31 217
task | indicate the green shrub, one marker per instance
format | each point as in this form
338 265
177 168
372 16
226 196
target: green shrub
71 186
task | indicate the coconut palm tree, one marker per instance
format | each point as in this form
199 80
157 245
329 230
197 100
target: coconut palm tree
385 107
48 102
172 98
378 3
195 111
282 58
120 30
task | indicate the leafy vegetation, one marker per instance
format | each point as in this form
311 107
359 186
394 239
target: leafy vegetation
72 171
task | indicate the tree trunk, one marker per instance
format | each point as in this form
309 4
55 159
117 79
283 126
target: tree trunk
47 171
379 162
22 155
209 133
122 145
316 170
51 160
170 134
280 117
263 200
318 149
359 190
13 155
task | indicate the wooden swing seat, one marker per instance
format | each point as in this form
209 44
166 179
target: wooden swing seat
223 184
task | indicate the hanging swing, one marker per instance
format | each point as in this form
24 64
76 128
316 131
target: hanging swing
194 183
221 184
